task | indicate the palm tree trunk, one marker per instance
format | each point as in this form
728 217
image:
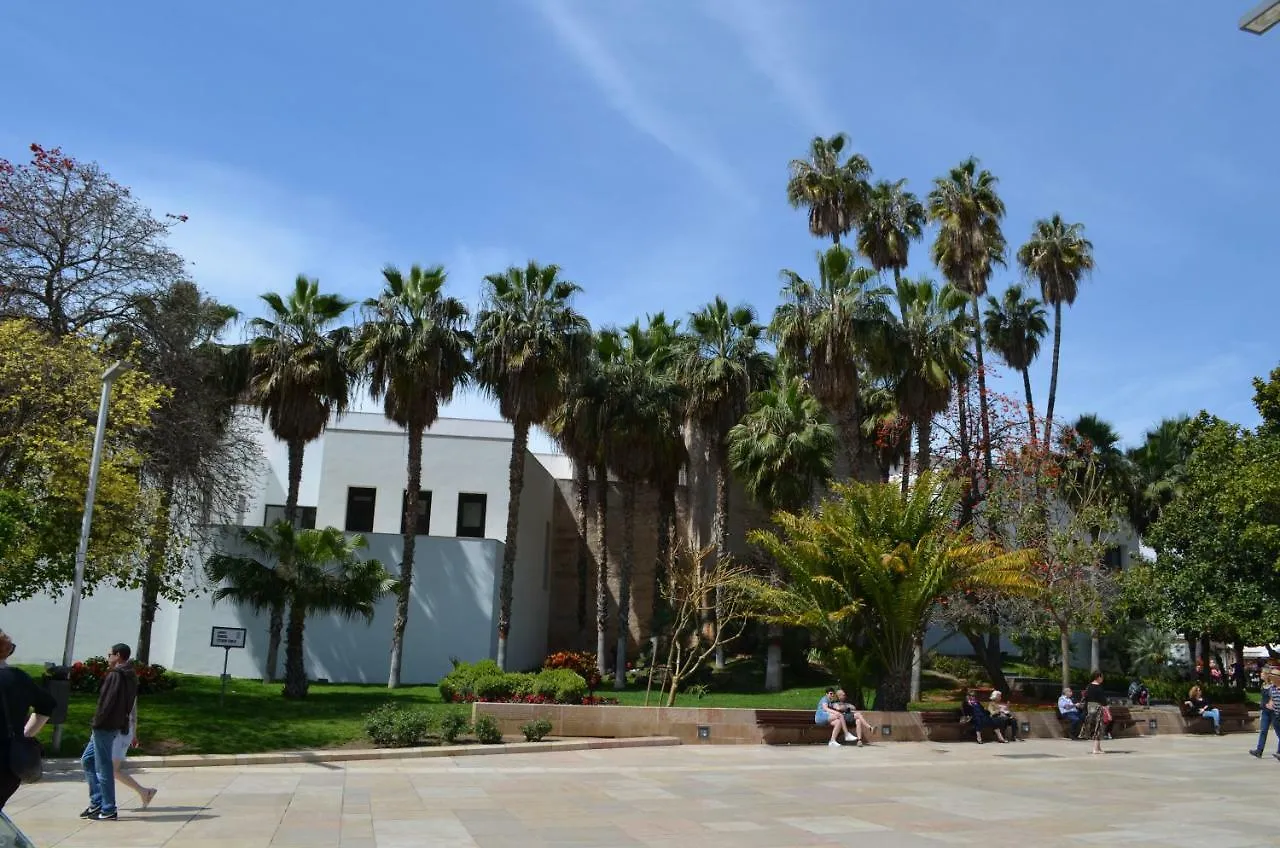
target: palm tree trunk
984 412
519 443
720 529
275 622
158 556
1053 373
906 464
1031 407
409 545
1095 650
966 452
924 451
662 559
602 567
582 503
624 583
773 659
295 670
1064 643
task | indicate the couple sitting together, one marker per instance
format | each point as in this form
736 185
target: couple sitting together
1000 719
834 709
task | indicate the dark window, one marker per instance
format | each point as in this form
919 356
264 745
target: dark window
360 503
1114 557
275 512
424 513
471 509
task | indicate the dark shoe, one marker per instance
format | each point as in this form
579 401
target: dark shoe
1217 731
101 816
1276 755
1255 754
90 812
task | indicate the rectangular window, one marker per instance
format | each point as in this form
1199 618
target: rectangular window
360 502
424 513
471 510
275 512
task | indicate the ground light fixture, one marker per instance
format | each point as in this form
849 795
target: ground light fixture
1262 17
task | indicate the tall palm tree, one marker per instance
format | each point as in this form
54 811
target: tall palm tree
527 337
1015 325
299 376
781 451
927 350
1059 256
834 191
826 331
722 365
1159 466
325 575
892 219
969 245
413 348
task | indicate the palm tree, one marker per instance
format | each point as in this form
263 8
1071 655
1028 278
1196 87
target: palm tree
825 331
892 219
299 377
1015 325
324 576
969 245
926 350
1059 256
527 337
1159 466
722 365
833 191
413 348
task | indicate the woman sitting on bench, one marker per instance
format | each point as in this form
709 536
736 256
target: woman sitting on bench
852 717
1003 716
828 714
973 711
1196 703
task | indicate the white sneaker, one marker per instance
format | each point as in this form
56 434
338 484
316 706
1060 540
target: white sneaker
833 744
849 737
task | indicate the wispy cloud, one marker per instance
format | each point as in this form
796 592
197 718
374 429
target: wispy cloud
610 75
770 43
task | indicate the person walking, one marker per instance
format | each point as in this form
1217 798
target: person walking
120 750
1270 715
110 721
19 695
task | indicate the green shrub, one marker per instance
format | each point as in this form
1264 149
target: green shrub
961 668
390 726
1176 691
452 726
460 683
493 687
522 683
487 731
536 730
560 685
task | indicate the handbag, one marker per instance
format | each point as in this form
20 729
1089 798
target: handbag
26 758
1106 715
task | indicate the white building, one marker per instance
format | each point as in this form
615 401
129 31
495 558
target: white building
354 478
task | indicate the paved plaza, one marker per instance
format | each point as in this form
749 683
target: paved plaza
1167 791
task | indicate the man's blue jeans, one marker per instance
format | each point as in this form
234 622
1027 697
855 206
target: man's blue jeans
1266 719
98 771
1074 718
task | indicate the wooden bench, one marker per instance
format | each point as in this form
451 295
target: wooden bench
786 727
1238 715
945 726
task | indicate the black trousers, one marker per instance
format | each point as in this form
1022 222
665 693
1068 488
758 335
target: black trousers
8 785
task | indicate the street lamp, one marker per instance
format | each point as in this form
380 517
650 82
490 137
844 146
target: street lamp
86 522
1262 18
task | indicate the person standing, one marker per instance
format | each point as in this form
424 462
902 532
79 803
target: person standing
19 694
110 721
1095 703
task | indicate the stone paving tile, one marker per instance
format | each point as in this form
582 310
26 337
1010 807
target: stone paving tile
1166 791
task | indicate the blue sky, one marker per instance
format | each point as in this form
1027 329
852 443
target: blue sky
642 145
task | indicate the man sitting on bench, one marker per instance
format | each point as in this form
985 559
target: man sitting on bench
852 716
1070 710
828 714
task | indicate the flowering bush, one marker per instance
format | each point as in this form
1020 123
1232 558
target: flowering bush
87 676
583 662
483 681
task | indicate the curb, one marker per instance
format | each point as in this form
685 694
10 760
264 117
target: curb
340 756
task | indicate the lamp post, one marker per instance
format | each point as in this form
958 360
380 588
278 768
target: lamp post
1262 17
86 522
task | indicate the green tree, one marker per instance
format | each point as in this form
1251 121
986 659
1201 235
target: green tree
1015 325
1059 256
968 247
414 349
1159 465
833 190
826 331
871 565
892 219
314 572
528 337
299 377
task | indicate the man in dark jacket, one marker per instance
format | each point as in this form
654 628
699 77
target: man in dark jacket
115 702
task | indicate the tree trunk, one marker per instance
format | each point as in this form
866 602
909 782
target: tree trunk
924 446
1206 653
624 582
582 503
1190 639
296 448
515 484
773 659
989 660
984 412
276 619
1031 407
409 537
917 663
894 692
662 560
156 562
602 567
1095 651
966 453
849 431
906 465
1064 641
295 670
720 529
1053 374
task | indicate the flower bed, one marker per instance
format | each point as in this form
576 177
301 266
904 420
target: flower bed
87 676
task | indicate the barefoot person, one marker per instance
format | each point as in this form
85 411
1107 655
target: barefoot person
120 749
1095 702
827 714
110 721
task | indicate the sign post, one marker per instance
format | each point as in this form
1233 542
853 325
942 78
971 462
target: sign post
226 638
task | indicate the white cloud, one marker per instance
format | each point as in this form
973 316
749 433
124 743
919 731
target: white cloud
608 73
